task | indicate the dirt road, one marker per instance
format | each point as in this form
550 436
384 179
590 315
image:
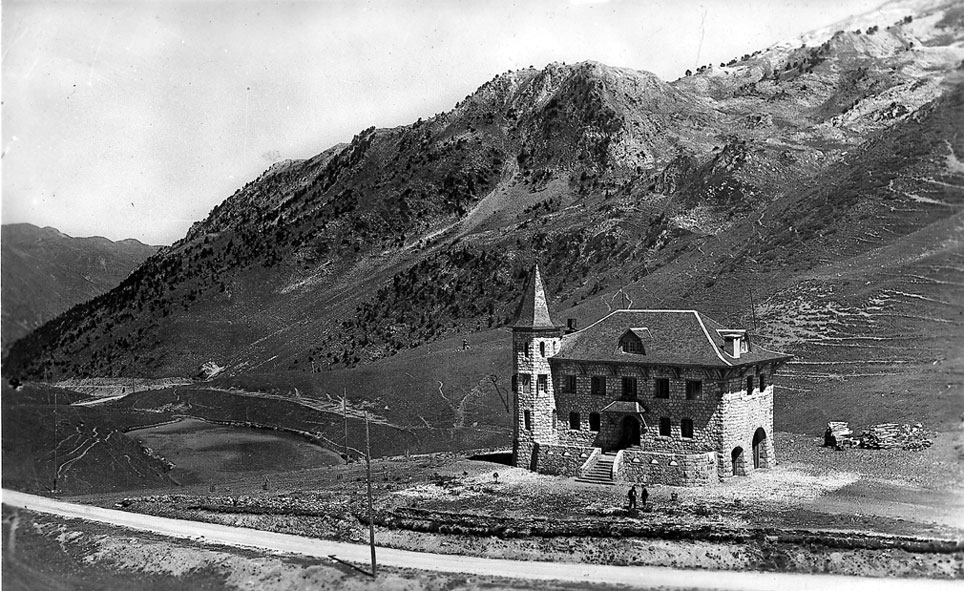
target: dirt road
634 576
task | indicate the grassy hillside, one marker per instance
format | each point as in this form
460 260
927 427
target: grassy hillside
48 444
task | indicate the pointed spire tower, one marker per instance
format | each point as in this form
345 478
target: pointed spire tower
535 338
534 310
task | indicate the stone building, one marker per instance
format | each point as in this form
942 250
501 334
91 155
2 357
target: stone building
649 396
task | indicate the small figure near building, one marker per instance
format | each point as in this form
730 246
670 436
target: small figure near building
828 438
644 496
631 496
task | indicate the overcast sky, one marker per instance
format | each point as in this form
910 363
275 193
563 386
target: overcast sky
134 119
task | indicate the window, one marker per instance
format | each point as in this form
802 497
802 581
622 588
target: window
542 348
598 386
763 382
525 383
568 383
694 389
632 346
749 385
542 382
594 421
515 382
686 428
574 421
629 387
527 418
522 349
665 427
662 388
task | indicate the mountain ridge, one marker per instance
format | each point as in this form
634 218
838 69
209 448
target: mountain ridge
46 271
730 184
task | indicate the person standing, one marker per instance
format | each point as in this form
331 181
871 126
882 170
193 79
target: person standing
631 495
645 496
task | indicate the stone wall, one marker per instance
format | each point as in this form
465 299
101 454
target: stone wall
562 460
529 363
646 467
704 411
724 417
742 414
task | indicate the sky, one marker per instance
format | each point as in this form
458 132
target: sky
133 119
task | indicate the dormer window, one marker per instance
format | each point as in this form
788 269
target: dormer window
632 346
632 341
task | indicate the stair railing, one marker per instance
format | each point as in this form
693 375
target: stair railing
590 462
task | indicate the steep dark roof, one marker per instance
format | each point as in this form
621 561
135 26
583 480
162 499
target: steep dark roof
534 310
677 337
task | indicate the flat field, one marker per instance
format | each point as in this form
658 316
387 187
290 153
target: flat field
856 512
208 453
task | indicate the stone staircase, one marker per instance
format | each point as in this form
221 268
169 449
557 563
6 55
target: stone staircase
601 472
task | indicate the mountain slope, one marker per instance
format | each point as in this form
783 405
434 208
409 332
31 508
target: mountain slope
815 192
46 272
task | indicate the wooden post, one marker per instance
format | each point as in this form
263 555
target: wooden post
344 414
371 516
46 364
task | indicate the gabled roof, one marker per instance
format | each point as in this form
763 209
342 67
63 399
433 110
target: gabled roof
534 310
676 337
640 333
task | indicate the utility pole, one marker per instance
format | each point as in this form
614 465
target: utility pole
371 516
56 442
344 414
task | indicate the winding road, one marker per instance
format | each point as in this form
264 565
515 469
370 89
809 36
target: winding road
633 576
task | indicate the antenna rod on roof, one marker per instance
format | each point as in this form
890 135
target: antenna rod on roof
752 307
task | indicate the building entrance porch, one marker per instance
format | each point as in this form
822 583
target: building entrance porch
629 434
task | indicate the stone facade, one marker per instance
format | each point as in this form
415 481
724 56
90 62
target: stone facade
675 469
561 460
679 399
722 418
703 411
535 408
743 414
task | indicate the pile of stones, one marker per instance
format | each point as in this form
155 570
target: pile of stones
839 435
891 435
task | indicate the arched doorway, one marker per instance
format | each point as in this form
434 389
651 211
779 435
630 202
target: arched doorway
629 432
737 458
760 459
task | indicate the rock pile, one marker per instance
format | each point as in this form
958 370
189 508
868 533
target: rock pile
838 434
890 435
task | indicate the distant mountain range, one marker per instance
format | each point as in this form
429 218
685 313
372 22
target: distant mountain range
810 192
46 272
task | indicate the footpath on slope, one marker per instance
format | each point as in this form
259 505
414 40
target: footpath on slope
638 576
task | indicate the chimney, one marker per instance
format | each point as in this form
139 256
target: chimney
571 325
733 341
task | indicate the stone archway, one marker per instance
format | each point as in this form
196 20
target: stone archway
629 432
736 457
760 457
